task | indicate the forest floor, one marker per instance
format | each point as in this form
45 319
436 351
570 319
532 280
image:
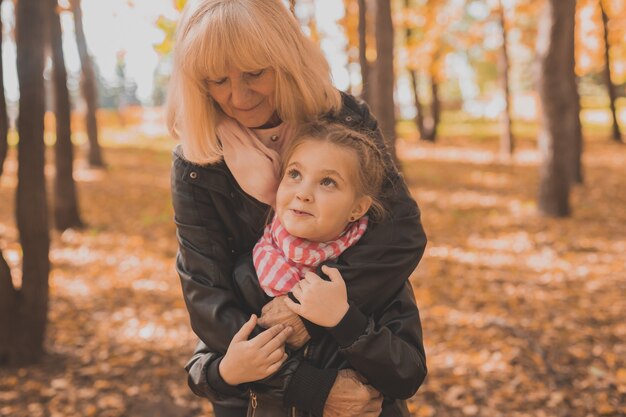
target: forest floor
523 315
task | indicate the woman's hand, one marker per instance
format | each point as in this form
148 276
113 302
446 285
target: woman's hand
257 358
351 397
276 312
321 302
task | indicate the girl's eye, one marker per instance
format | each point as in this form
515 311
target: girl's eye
293 174
328 182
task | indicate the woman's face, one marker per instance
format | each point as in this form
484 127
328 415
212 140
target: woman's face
317 195
247 97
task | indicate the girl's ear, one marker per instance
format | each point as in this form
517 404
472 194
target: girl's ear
361 205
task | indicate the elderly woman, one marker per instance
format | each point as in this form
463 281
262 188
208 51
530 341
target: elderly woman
244 77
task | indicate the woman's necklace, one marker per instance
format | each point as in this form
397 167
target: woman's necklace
270 137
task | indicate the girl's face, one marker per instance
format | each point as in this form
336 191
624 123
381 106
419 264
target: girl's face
247 97
317 195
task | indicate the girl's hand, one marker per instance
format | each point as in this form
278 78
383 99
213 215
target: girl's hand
321 302
254 359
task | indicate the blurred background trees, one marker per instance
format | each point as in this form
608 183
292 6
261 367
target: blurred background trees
544 71
504 115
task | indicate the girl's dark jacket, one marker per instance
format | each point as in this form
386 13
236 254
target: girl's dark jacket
218 225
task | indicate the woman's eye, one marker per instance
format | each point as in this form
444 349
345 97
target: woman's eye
328 182
255 74
215 81
293 174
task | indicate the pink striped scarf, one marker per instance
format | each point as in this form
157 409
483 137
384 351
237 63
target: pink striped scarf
281 259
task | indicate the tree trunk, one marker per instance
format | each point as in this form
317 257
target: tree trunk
419 109
507 141
555 48
365 66
576 175
385 107
4 118
576 156
24 310
88 86
431 123
617 134
66 213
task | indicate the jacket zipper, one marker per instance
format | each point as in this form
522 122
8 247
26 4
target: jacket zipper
306 351
253 402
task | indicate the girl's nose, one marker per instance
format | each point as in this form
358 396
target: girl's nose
304 195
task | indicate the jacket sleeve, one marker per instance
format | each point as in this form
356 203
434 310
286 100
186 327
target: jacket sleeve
204 379
388 350
204 263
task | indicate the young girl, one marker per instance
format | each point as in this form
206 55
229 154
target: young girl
331 180
328 193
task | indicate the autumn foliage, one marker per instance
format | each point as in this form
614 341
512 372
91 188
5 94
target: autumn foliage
522 315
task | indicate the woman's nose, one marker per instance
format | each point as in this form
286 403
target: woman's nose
240 94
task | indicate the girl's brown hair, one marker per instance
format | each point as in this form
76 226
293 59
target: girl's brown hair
371 167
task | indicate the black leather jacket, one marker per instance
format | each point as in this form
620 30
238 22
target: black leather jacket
385 348
217 223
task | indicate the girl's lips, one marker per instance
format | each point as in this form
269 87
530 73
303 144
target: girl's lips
300 213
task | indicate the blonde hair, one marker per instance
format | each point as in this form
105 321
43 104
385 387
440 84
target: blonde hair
215 35
370 175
